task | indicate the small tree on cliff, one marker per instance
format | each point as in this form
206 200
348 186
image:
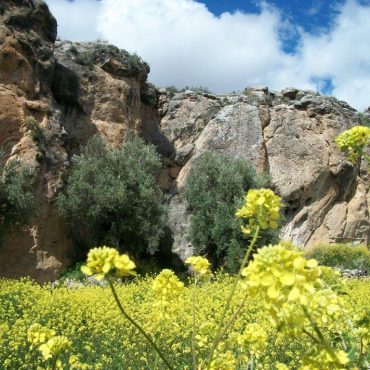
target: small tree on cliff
213 191
16 198
112 198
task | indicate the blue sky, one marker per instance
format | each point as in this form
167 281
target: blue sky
310 15
228 45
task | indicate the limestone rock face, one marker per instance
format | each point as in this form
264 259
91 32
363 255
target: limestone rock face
27 34
291 136
73 91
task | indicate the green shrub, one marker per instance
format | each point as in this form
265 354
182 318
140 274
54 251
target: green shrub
134 61
16 198
112 198
213 192
34 129
172 90
365 120
199 90
74 272
341 256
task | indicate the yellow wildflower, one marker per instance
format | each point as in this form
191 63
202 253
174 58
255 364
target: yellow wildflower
38 334
320 358
261 208
200 266
76 364
124 266
281 366
285 278
167 285
100 261
254 338
354 141
104 260
54 346
224 361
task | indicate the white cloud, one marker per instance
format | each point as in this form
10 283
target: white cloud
77 20
343 55
185 44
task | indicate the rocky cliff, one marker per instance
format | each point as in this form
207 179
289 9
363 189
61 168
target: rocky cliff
72 92
290 134
77 90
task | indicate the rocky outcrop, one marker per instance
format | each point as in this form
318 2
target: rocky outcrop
289 134
55 95
27 34
69 92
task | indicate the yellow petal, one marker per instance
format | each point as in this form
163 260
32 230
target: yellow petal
311 263
287 278
106 267
294 294
299 263
272 291
267 280
86 270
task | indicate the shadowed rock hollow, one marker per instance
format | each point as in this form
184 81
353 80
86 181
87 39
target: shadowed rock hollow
77 90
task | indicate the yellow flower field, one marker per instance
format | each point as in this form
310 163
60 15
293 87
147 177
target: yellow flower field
100 338
281 311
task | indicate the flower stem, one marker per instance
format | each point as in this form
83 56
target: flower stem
233 318
320 335
137 326
54 366
229 299
193 326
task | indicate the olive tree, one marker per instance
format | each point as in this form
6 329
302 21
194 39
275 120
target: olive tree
16 197
213 192
111 197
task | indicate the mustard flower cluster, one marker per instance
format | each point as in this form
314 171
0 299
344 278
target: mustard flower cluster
167 286
49 345
38 334
200 267
76 364
261 208
224 360
254 338
354 141
286 279
54 347
103 260
320 358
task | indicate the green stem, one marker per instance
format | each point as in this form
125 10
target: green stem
193 327
156 361
54 366
137 326
311 336
232 319
320 335
156 355
229 299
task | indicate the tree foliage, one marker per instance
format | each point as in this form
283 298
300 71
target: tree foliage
213 192
16 198
111 197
